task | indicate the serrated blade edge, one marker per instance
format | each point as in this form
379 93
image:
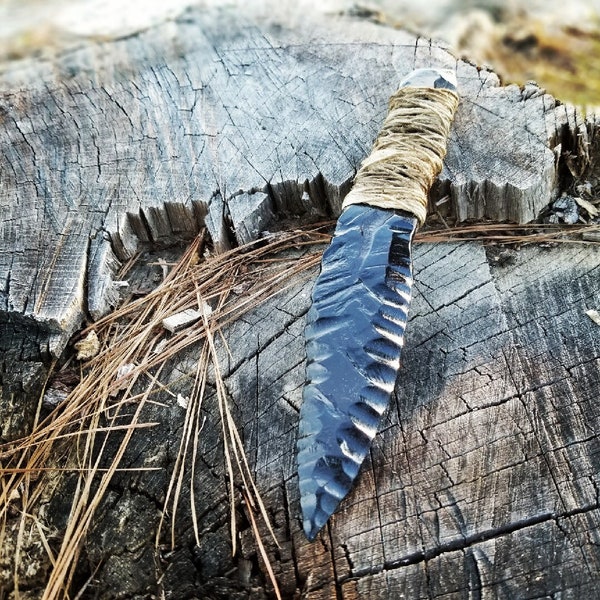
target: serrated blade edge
354 336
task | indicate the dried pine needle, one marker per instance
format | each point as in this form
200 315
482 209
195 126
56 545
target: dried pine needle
74 437
77 433
509 233
261 547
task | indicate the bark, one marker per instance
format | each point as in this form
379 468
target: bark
483 481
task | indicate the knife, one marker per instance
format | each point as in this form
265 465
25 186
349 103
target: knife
355 327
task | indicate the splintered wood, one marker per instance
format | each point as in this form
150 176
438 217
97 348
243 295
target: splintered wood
305 138
185 318
484 480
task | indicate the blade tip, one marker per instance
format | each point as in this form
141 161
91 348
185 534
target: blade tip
311 530
313 522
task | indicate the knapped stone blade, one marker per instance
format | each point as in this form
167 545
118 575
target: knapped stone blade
353 341
355 327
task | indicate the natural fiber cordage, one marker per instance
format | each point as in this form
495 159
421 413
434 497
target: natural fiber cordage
408 153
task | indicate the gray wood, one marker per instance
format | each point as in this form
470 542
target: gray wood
483 481
213 119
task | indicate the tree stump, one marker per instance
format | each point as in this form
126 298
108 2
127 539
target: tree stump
483 482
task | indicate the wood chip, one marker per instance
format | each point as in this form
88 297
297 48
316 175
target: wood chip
54 397
594 315
122 378
158 349
185 318
588 206
88 347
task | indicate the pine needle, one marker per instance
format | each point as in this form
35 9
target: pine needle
508 233
261 547
76 437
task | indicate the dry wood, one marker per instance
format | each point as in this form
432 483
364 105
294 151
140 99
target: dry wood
181 320
212 119
484 479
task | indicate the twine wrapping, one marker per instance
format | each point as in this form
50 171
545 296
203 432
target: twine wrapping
408 152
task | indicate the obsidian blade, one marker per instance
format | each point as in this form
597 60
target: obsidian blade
353 343
355 328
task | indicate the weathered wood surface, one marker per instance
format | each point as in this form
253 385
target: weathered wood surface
135 140
483 482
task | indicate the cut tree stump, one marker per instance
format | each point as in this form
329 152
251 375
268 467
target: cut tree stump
483 482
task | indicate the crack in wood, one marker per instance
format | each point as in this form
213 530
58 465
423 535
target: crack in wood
470 540
231 133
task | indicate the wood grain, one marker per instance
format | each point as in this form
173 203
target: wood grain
483 481
214 119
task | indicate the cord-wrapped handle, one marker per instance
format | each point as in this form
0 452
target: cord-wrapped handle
409 151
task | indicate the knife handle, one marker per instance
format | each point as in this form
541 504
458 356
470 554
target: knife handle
408 153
